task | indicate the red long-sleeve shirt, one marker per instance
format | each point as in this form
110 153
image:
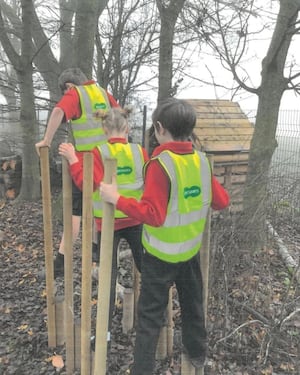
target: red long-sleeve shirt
70 102
152 208
76 171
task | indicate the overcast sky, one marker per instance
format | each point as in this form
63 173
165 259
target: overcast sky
256 51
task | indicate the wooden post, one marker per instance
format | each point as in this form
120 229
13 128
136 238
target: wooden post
170 330
204 263
136 291
68 265
48 245
205 254
77 345
186 366
60 320
128 310
87 236
161 348
104 278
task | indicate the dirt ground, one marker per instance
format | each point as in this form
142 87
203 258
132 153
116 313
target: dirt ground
253 312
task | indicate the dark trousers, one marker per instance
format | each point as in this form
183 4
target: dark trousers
133 235
156 279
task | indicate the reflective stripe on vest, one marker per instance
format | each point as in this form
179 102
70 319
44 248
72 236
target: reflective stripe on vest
87 129
129 173
180 236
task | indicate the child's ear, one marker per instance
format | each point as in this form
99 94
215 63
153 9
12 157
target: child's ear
159 128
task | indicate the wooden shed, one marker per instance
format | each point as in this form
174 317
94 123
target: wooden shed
225 132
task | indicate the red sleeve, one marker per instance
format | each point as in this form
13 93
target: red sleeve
220 197
76 169
152 208
70 104
145 154
112 100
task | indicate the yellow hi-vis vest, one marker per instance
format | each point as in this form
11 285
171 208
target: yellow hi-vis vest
180 236
130 162
87 130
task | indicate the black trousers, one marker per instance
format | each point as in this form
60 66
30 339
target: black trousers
133 235
156 279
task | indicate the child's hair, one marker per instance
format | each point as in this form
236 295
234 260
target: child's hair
115 119
177 116
71 75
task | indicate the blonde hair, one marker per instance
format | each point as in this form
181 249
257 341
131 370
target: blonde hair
115 119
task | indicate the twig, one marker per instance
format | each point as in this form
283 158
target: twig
289 317
251 311
237 329
284 253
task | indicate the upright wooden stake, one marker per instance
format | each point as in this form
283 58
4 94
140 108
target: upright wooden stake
204 263
136 291
186 366
68 264
87 235
170 330
107 233
48 245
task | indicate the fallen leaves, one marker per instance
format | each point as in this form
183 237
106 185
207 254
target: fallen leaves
57 361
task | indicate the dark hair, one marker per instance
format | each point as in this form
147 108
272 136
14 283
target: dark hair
177 116
71 75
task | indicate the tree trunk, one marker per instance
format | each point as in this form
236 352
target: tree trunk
168 16
263 143
84 38
30 189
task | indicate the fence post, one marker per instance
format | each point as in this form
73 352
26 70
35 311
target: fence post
106 245
87 234
48 245
68 266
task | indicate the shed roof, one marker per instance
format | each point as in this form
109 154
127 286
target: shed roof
222 127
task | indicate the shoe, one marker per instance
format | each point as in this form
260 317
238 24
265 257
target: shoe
198 362
59 269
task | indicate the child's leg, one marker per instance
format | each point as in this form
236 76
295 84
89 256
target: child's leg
133 235
156 279
76 221
189 287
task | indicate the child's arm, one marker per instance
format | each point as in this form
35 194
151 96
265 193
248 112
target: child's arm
152 208
220 196
75 160
67 150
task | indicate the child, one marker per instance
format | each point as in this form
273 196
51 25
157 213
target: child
80 98
130 161
178 191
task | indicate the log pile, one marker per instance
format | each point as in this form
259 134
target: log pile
10 176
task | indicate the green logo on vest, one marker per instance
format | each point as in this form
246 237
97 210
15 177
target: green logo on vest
192 191
123 170
100 106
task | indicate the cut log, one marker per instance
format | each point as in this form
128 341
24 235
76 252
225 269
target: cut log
10 176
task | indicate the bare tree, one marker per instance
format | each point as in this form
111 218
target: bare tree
227 32
272 86
127 45
37 49
87 14
23 66
169 11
